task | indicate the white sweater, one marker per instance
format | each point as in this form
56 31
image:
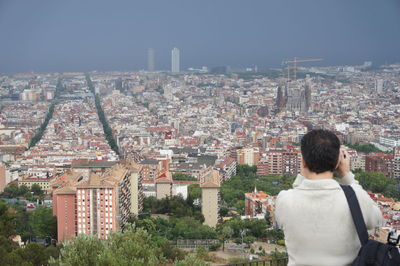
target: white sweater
317 222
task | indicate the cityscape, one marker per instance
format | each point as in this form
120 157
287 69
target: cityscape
182 165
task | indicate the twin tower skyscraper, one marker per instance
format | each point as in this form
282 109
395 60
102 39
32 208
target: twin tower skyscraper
175 60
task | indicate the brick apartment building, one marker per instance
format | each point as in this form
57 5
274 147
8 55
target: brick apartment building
279 162
96 203
380 162
151 169
258 204
227 168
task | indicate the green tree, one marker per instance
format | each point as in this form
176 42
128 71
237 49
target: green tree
22 222
190 228
183 176
275 235
133 247
245 170
223 211
42 128
364 147
249 240
277 254
6 246
147 224
191 260
170 252
106 127
37 190
225 234
238 260
85 250
379 183
11 191
7 221
253 227
194 192
174 206
33 253
43 223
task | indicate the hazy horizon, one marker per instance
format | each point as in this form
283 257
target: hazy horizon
60 36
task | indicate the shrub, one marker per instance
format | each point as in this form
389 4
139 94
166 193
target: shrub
214 247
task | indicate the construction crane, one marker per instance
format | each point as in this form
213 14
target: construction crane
295 61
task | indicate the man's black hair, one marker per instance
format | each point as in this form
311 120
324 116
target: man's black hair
320 150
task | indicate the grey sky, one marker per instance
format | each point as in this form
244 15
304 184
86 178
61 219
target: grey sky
58 35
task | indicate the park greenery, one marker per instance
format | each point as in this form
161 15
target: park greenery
245 181
135 246
39 134
379 183
177 228
174 207
102 117
183 177
149 238
364 147
11 222
13 191
185 221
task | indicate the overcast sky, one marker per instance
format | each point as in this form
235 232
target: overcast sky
69 35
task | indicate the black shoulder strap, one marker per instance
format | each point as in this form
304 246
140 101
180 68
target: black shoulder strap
356 214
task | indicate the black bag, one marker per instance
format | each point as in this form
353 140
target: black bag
372 252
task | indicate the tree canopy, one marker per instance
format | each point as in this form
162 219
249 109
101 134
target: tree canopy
135 246
43 222
183 176
364 147
174 206
233 190
379 183
10 252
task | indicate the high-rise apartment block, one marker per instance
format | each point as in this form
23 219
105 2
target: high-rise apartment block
210 198
151 59
3 182
249 156
380 162
175 60
280 163
357 160
396 162
151 169
227 168
96 203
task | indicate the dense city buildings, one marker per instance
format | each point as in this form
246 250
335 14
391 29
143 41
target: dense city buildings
180 130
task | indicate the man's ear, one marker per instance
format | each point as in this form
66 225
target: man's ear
303 163
338 160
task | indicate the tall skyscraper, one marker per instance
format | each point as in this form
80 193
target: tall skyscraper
151 58
175 60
